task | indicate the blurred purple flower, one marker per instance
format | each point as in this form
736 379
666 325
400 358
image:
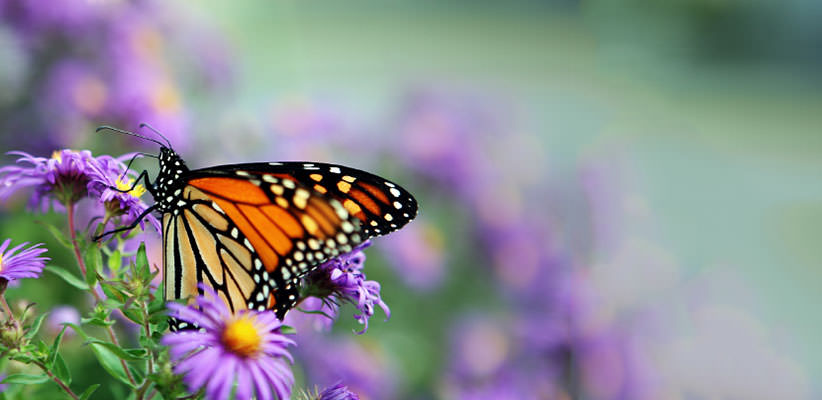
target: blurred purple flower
443 135
142 86
19 262
416 253
342 279
246 347
365 367
94 59
74 88
61 315
316 314
338 392
489 362
67 16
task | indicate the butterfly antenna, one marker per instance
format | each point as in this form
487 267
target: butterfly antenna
124 132
145 125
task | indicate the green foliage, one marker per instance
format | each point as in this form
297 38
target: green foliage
137 367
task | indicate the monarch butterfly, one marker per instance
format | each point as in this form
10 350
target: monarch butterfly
250 231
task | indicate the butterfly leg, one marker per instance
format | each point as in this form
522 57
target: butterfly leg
146 183
126 228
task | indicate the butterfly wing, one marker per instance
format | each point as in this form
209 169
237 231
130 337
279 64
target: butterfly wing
382 206
250 234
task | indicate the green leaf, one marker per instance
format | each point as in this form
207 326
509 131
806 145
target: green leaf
67 276
110 362
115 261
26 379
141 265
288 330
113 292
94 261
61 370
87 393
55 347
128 355
77 329
58 234
35 326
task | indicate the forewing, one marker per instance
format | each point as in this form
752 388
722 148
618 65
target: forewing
381 205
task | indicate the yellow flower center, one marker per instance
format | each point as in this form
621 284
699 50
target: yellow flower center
1 263
57 155
241 337
136 192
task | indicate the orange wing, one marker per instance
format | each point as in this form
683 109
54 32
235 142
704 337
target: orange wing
251 236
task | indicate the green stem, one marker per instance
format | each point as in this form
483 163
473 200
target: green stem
80 261
58 381
82 264
5 304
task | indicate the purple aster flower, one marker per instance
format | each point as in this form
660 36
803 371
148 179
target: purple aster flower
69 176
338 392
246 347
65 176
342 279
19 263
110 173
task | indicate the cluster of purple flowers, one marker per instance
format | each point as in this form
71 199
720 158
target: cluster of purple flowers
75 63
550 344
70 176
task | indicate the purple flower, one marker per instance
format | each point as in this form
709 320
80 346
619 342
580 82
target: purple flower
110 173
69 176
338 392
342 279
246 347
65 176
27 263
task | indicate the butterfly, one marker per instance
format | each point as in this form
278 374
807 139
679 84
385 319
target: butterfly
251 231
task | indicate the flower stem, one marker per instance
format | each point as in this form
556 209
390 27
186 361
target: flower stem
6 308
82 264
58 381
80 261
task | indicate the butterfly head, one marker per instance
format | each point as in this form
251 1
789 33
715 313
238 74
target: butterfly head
168 183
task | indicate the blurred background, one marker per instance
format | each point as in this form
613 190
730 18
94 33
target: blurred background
619 199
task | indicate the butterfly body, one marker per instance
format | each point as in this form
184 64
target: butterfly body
250 231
